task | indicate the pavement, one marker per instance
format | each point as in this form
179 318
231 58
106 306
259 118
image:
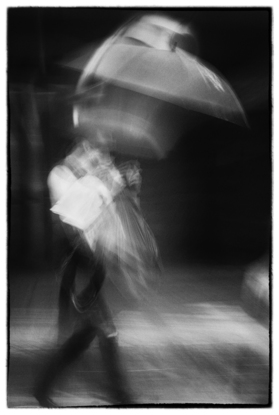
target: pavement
190 343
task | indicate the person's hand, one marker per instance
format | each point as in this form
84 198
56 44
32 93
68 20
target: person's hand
131 172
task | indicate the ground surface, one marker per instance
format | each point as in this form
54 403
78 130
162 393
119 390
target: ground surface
190 343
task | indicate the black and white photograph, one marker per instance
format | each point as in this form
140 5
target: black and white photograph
139 207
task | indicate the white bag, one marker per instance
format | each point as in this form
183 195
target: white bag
83 202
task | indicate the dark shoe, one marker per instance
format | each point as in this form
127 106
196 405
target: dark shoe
45 401
123 398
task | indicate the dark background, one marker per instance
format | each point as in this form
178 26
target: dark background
210 200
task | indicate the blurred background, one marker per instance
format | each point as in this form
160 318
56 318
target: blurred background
208 203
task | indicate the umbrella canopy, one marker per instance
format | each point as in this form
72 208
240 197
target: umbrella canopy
145 57
143 89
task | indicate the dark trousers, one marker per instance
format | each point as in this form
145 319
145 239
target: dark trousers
92 318
72 349
77 257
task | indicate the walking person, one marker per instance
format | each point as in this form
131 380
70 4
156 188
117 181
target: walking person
117 236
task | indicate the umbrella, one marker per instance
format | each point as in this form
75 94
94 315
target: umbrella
146 58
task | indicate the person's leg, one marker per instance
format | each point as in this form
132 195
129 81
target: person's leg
88 296
108 343
119 388
69 270
67 354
